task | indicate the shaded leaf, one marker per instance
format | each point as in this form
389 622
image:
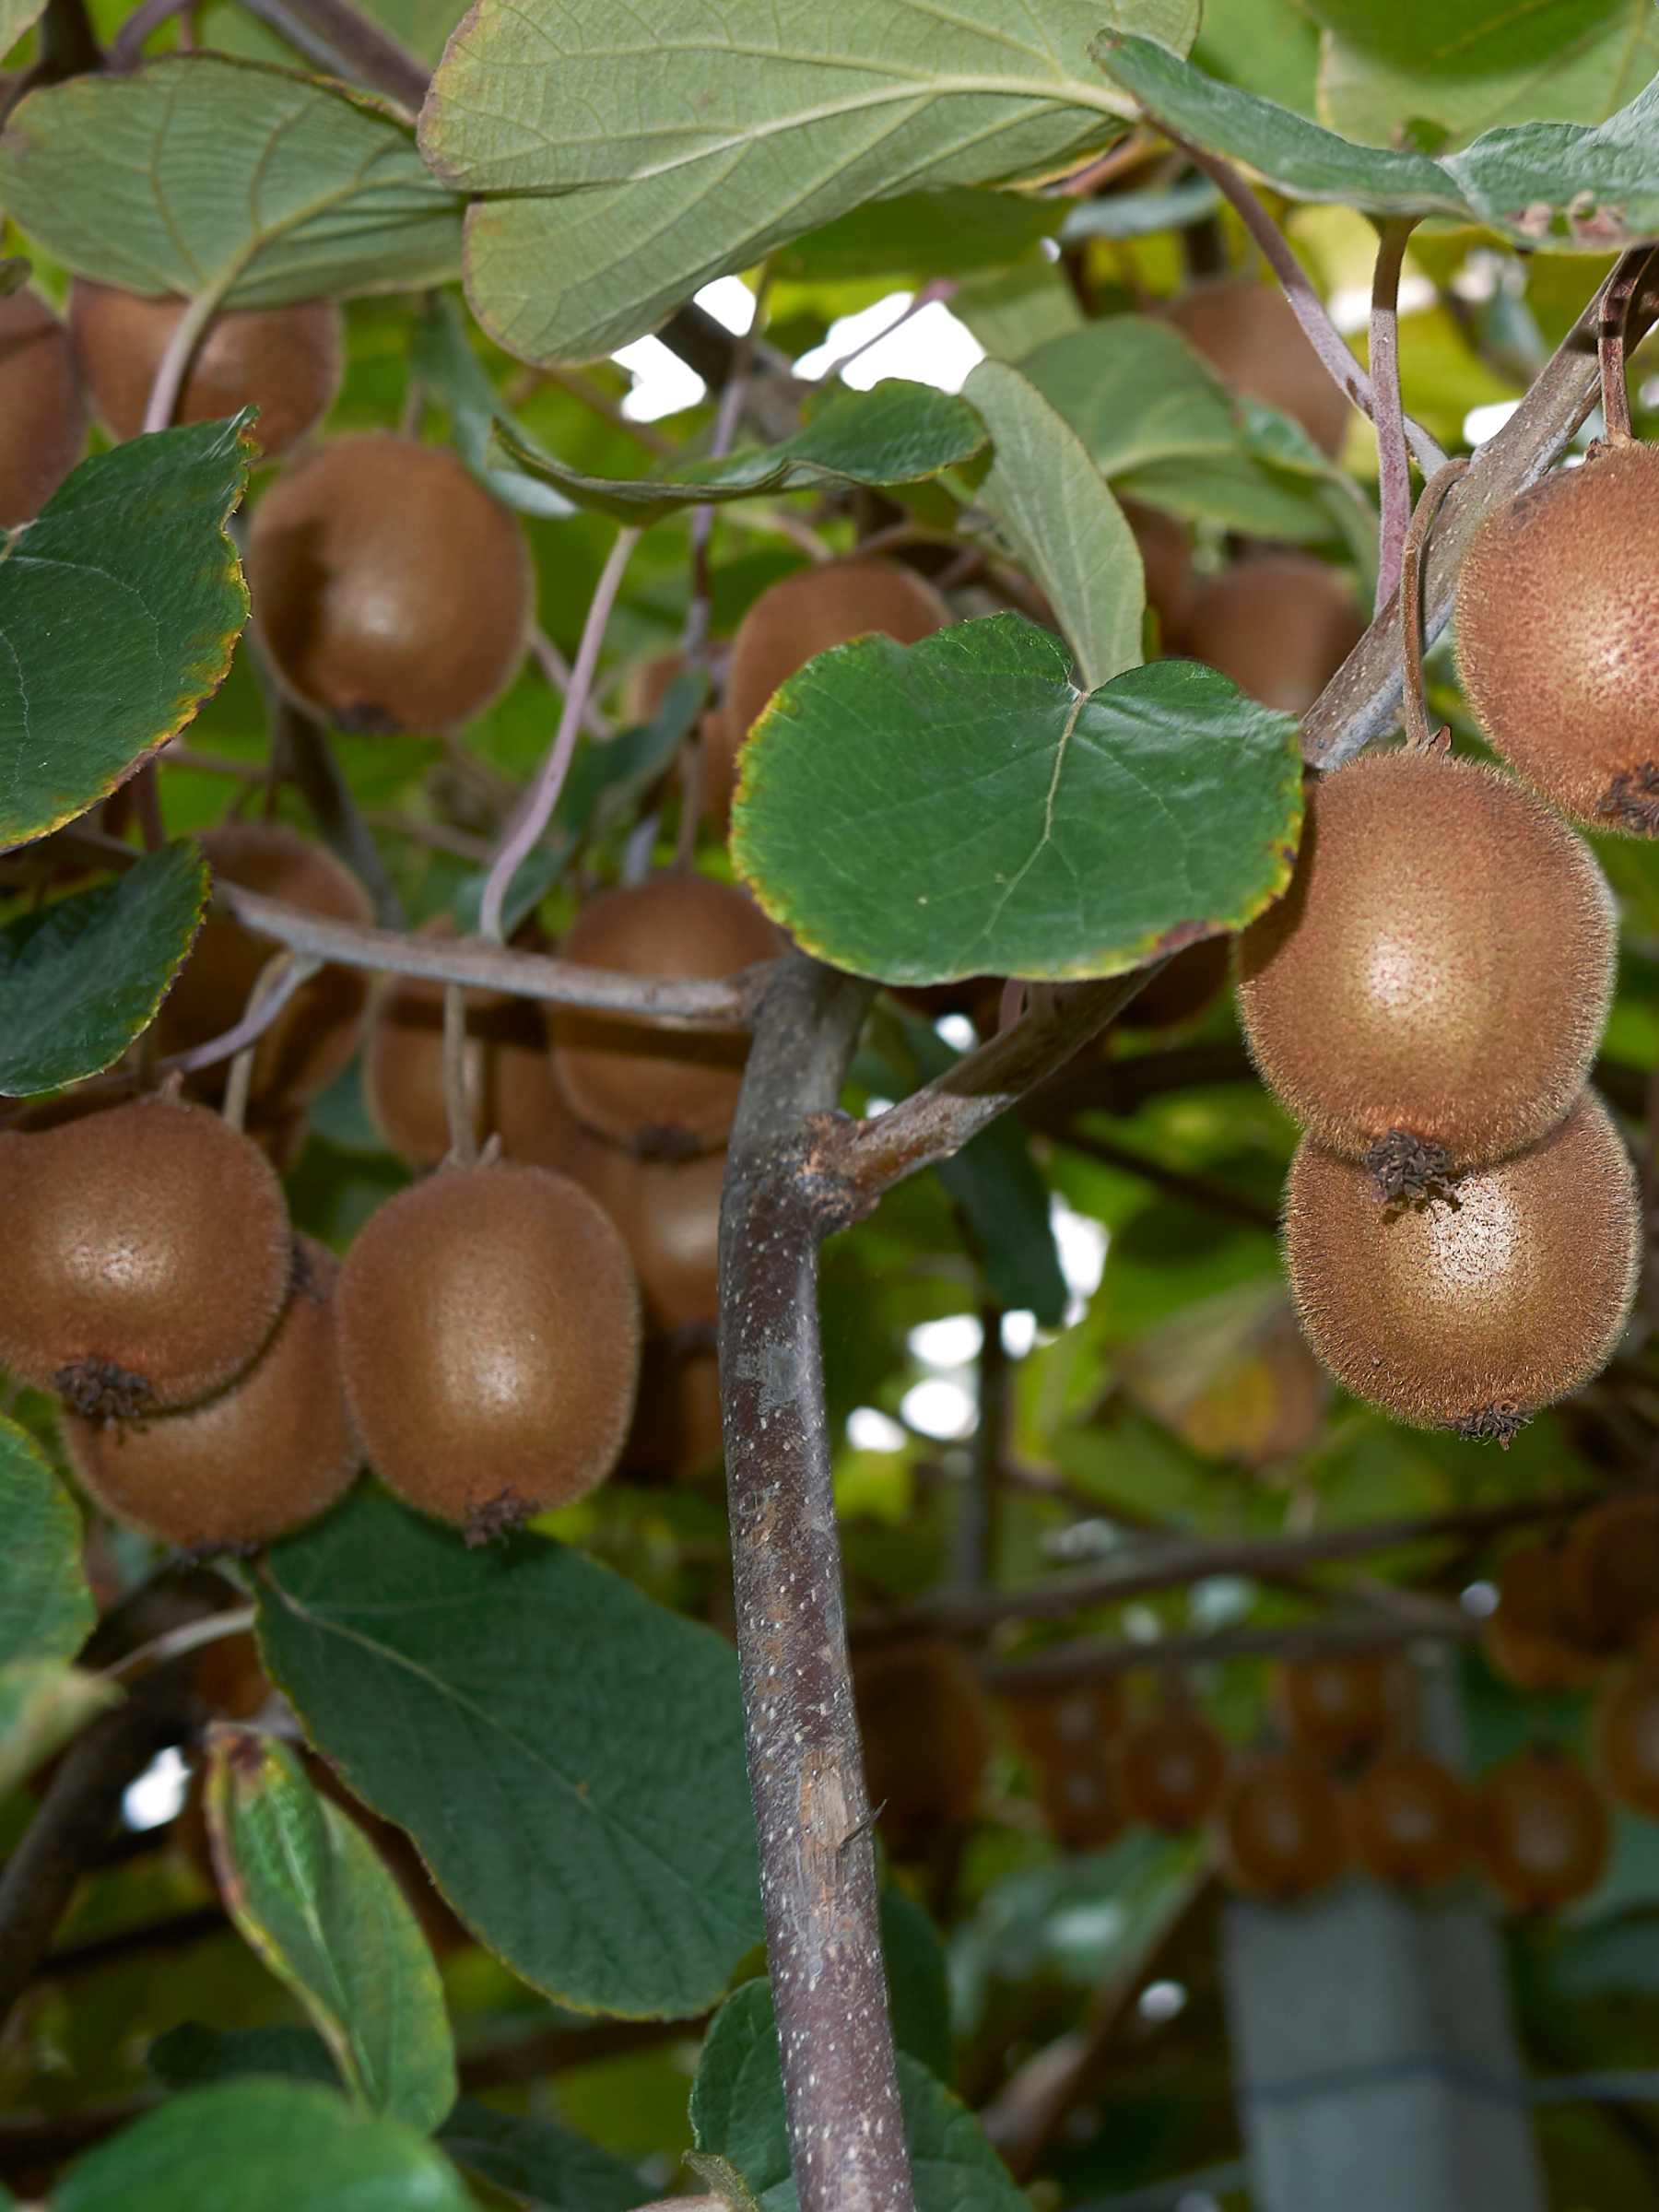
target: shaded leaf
942 233
200 172
1012 311
46 1610
119 609
42 1705
442 361
311 1894
918 1994
956 808
15 15
1141 213
190 2056
551 2169
81 979
567 1755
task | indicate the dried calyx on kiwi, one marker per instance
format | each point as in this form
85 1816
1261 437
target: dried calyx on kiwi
1432 988
1280 625
42 415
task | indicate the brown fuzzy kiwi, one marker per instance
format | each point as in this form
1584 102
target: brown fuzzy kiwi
1171 1768
286 362
511 1086
1531 1638
663 1093
1182 989
1250 335
793 620
273 1448
145 1255
389 590
926 1737
42 415
1282 1830
1334 1706
1610 1570
647 685
1469 1312
1558 637
1540 1831
1166 551
676 1424
1051 1724
1280 625
668 1214
1627 1738
318 1031
1409 1820
489 1344
1440 969
1082 1801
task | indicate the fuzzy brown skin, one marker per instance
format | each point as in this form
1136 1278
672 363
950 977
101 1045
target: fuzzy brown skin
489 1343
392 593
151 1238
1282 1827
1335 1706
1441 965
1540 1831
1171 1769
1048 1724
1165 546
286 362
1531 1640
1442 1314
668 1214
926 1737
662 1093
1627 1738
42 415
1250 335
1558 637
1410 1820
1609 1570
1280 626
802 615
272 1451
676 1424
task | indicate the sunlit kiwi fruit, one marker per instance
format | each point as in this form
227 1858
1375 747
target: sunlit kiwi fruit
1627 1738
1557 644
1280 625
1182 989
1540 1831
926 1737
656 1089
1166 552
1469 1314
391 592
1610 1570
42 415
1531 1638
1055 1724
1409 1819
1282 1827
489 1343
1171 1768
1081 1798
1334 1706
272 1449
286 362
145 1255
1250 335
1440 968
800 615
668 1213
676 1423
511 1090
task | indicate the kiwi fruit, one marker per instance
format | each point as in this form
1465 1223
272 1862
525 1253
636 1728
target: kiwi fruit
1082 1805
271 1450
1052 1725
1610 1570
1558 637
646 685
1280 625
664 1092
1439 971
1531 1638
145 1255
1250 335
1409 1820
42 415
1469 1312
668 1214
230 1679
1627 1738
1282 1827
1166 552
1171 1769
1540 1831
511 1088
802 614
926 1737
676 1424
1335 1706
489 1344
1182 989
391 592
286 362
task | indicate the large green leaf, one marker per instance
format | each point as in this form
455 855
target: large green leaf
627 156
263 2147
15 15
42 1704
46 1610
567 1755
1050 503
942 233
311 1894
202 172
548 2167
81 979
957 807
192 2056
1465 38
119 609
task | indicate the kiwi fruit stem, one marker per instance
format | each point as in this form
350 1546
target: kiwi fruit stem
1610 348
457 1105
174 365
240 1080
1419 738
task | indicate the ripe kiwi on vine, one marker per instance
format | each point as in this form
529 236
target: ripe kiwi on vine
1250 335
1410 1820
1540 1830
1280 625
1530 1637
1282 1827
1166 552
1430 989
668 1213
489 1344
1610 1570
677 1425
145 1254
1053 1723
271 1450
1335 1706
1627 1737
389 590
42 415
1081 1799
1171 1767
926 1737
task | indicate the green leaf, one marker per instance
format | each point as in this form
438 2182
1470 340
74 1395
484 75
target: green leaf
46 1609
119 609
943 233
1465 38
442 361
191 2056
263 2147
918 1993
550 2168
1012 311
952 809
628 157
81 979
310 1893
15 16
42 1705
200 172
1561 183
1068 533
567 1755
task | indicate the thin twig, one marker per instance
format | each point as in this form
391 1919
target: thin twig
1414 705
1610 348
185 336
694 634
1090 1658
278 978
146 806
1198 1191
457 1105
211 1628
1388 414
127 49
555 669
316 770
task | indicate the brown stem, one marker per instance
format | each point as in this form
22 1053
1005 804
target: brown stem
146 806
345 41
1610 347
315 768
464 1143
1093 1658
1414 707
1388 414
